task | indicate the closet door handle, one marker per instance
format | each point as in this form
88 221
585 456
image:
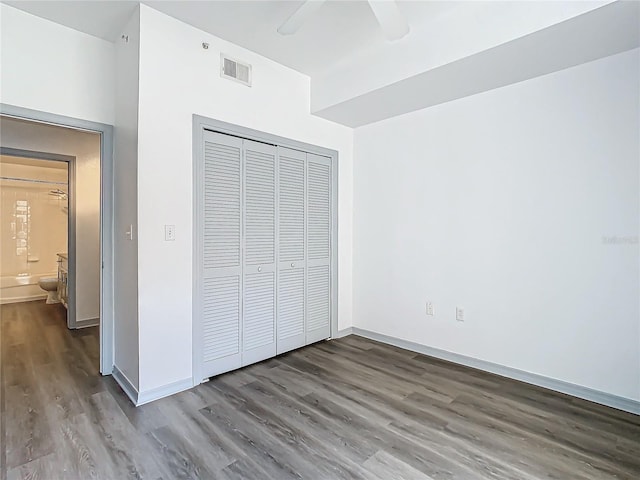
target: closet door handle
259 269
293 264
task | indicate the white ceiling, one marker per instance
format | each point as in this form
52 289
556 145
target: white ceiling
605 31
337 31
455 48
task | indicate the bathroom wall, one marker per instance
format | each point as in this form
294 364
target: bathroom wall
85 146
33 223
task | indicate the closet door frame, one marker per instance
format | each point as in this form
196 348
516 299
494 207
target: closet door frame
200 125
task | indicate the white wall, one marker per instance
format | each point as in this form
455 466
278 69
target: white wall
177 79
499 202
52 68
125 208
85 147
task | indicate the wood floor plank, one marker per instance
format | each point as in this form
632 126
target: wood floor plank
240 470
244 437
145 418
282 404
178 455
488 435
403 375
27 430
291 406
80 452
186 421
593 447
127 448
383 465
280 436
43 468
346 409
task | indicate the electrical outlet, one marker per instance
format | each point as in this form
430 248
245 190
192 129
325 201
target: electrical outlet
169 233
460 314
429 308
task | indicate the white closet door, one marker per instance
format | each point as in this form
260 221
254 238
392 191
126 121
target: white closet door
259 316
221 281
318 326
291 249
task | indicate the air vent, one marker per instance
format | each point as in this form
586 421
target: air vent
235 70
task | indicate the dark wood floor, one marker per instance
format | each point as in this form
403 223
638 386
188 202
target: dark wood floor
345 409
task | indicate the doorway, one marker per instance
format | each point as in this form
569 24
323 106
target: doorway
38 231
34 134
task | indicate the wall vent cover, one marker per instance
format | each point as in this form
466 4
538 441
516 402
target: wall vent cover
235 70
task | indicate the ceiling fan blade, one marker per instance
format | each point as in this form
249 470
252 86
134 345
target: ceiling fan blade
393 23
297 18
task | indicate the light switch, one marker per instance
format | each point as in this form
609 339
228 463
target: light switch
169 233
460 314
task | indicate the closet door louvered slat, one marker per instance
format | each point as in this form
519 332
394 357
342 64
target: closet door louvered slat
221 285
291 249
259 319
318 288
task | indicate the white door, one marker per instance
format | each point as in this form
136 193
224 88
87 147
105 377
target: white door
259 314
319 219
291 249
264 229
221 282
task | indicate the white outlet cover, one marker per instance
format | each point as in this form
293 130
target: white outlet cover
429 308
169 233
460 314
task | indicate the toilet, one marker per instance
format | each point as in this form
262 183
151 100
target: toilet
50 285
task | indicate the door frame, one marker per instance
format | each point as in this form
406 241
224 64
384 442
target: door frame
202 124
106 216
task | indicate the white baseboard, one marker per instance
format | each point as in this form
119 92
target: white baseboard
603 398
89 322
164 391
140 398
344 332
125 384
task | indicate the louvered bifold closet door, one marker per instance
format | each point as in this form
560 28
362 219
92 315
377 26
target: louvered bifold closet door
319 216
221 269
259 318
291 249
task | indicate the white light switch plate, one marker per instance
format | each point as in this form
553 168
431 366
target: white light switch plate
460 314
